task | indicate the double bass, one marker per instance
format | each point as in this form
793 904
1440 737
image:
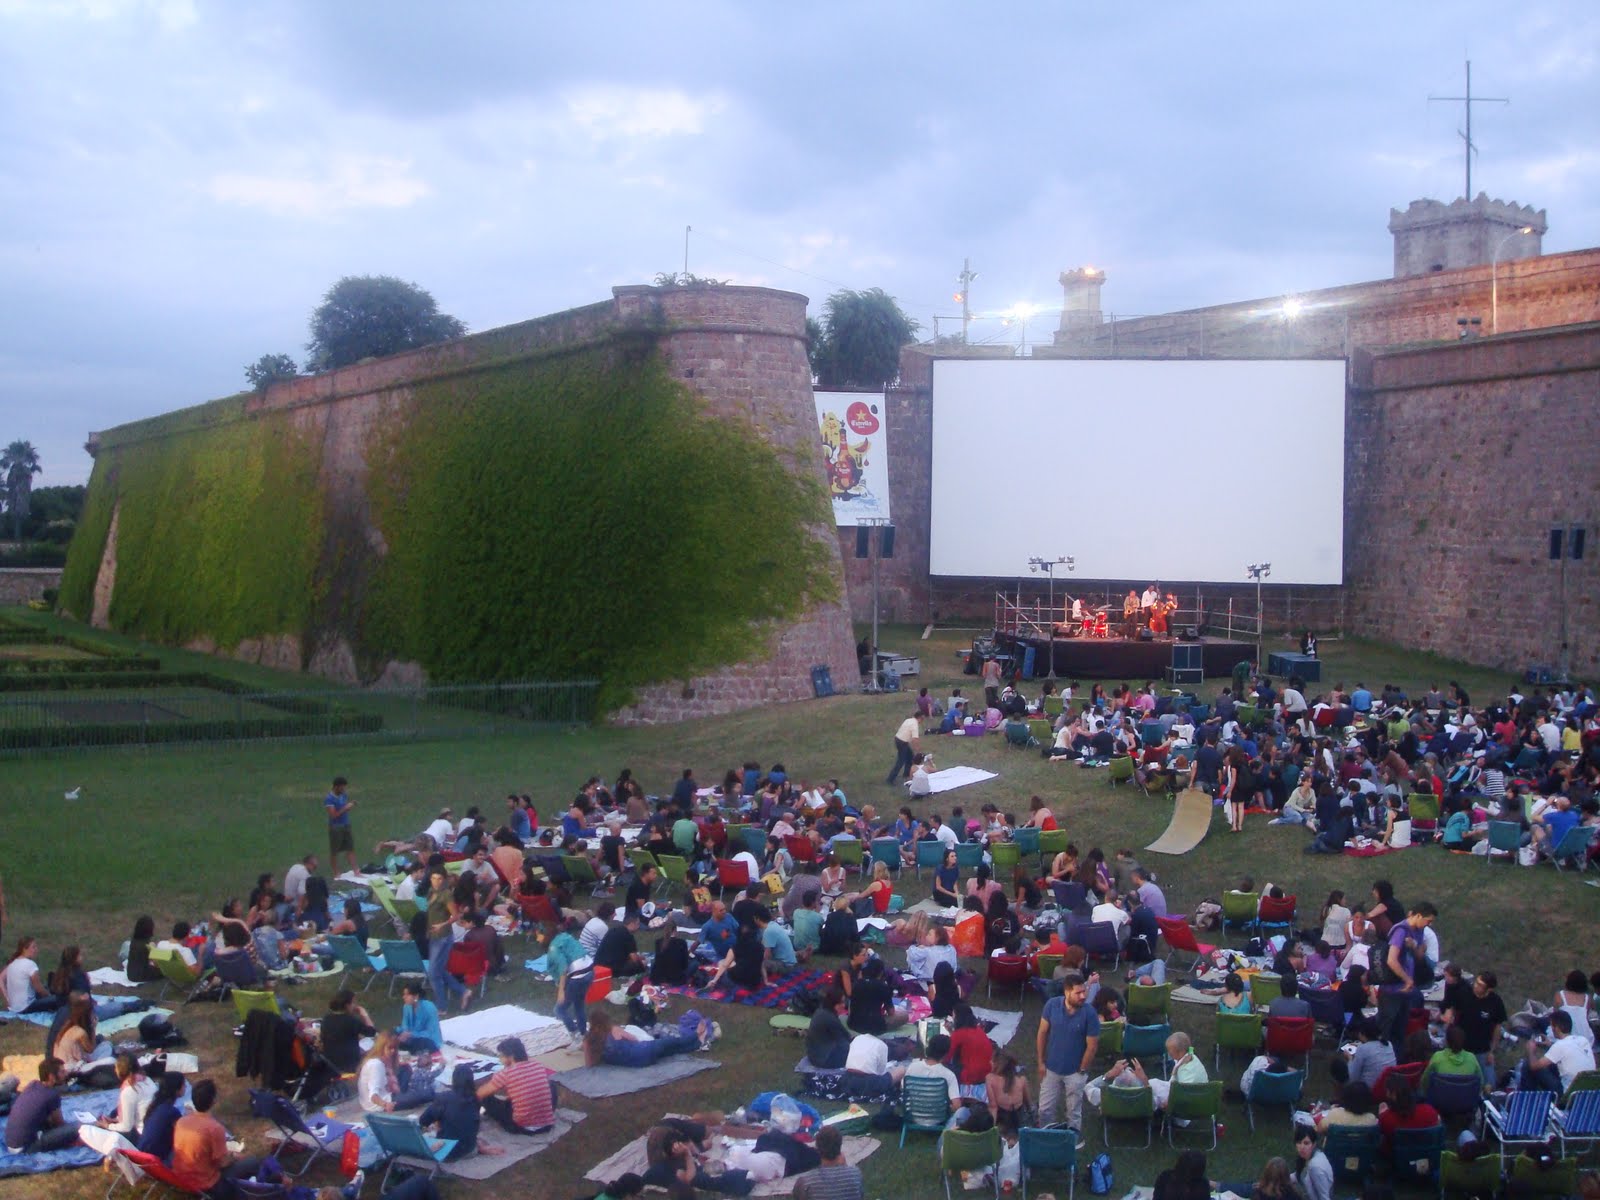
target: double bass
1160 612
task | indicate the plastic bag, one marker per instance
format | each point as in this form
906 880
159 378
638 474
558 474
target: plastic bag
786 1115
967 936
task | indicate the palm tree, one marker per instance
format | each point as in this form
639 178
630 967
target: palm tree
19 462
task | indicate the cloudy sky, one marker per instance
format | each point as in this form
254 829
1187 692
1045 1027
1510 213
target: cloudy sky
180 182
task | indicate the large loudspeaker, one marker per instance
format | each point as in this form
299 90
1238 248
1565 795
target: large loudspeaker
886 544
1188 657
1147 634
1189 634
861 541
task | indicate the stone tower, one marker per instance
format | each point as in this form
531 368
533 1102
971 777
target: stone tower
1432 236
1080 297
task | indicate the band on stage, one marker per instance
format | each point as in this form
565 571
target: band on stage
1151 611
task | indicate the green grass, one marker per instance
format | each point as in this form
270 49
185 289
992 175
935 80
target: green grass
174 832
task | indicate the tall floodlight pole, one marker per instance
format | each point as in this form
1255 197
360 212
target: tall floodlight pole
1258 572
877 524
1048 566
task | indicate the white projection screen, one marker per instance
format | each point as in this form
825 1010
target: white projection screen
1141 469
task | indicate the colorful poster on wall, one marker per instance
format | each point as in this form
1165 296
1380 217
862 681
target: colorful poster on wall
856 448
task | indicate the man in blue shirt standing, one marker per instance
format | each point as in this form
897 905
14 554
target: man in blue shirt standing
340 836
1069 1036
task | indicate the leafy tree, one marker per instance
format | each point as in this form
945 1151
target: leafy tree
368 316
19 463
53 513
862 333
269 369
686 279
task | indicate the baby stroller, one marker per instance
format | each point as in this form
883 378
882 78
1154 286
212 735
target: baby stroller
272 1049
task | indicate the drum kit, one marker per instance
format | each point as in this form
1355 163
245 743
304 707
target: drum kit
1089 622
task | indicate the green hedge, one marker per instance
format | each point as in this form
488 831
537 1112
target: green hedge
575 515
78 666
134 733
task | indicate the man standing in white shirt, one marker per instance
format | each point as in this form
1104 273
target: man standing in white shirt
907 741
294 881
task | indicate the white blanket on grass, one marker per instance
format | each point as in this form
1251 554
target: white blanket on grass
953 777
502 1020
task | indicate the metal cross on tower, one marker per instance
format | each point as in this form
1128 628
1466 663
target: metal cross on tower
1467 102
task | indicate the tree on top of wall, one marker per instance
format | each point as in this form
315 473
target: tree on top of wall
19 463
269 369
368 316
858 342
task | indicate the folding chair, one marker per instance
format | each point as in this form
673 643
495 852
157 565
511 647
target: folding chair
1009 971
1048 1150
1240 910
322 1136
176 973
1290 1035
963 1151
1273 1087
395 908
402 960
1120 770
1579 1120
1194 1102
1027 837
1145 1041
674 870
1111 1035
1069 895
1559 1180
1525 1120
1424 810
127 1162
930 853
969 855
924 1106
1179 935
1126 1104
1504 837
1326 1009
348 949
1148 1000
1454 1095
1004 856
1099 940
755 840
848 854
732 876
1410 1072
246 1002
151 1167
800 849
886 850
1237 1031
1414 1154
581 871
1480 1177
1352 1150
469 962
1264 989
1051 843
641 858
403 1143
1573 847
1276 914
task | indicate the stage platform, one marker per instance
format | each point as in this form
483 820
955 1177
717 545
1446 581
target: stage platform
1122 658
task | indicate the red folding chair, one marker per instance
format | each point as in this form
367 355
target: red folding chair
800 848
733 875
1290 1035
154 1168
1009 971
540 911
469 962
1180 936
1410 1072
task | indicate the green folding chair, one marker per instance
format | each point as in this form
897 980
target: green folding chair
1237 1031
1111 1033
1005 856
1148 1002
246 1002
1126 1104
848 854
1240 910
1120 770
1194 1102
674 869
1457 1177
1264 989
963 1151
1528 1178
176 973
1051 843
348 949
581 871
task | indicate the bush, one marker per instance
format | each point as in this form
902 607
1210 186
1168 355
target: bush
35 554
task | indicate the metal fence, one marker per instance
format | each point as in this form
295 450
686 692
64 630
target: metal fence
188 713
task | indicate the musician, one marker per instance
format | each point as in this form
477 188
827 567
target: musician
1131 608
1161 615
1151 597
1076 609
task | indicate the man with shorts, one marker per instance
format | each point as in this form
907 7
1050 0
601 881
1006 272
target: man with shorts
340 837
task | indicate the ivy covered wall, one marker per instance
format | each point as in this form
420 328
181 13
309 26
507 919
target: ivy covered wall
553 507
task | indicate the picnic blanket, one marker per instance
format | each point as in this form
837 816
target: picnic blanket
774 995
951 778
1000 1026
95 1104
518 1147
502 1020
1193 995
632 1158
106 1028
542 1040
1372 849
597 1083
111 977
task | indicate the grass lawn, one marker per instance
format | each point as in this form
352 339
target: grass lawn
173 832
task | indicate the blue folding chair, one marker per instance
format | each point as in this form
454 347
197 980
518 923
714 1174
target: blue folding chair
1048 1150
402 1143
1274 1087
402 960
321 1136
1414 1154
1579 1122
1524 1121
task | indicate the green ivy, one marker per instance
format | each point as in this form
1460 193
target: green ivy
218 530
584 517
579 515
